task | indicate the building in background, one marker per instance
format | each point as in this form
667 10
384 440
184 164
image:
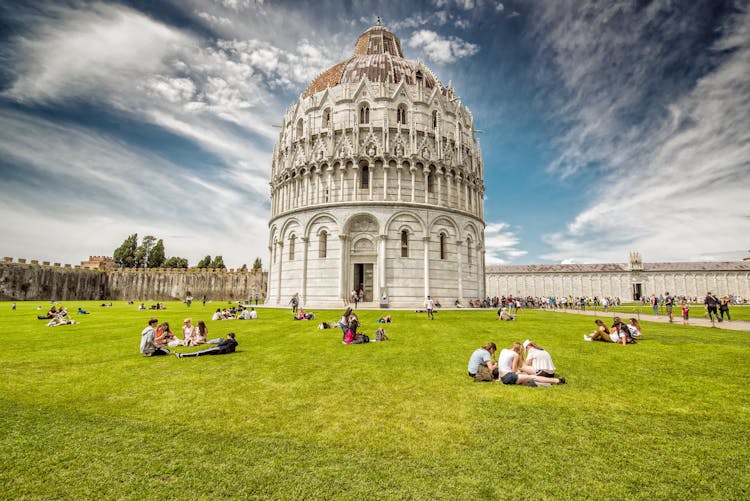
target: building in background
377 184
628 281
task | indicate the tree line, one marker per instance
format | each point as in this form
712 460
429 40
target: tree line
150 254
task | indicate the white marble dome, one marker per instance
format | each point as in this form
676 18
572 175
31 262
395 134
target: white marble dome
377 183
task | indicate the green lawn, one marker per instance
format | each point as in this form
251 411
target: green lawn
295 414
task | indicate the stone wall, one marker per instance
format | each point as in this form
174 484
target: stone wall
20 281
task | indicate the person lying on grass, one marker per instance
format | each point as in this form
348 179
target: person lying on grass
510 363
224 347
149 348
60 319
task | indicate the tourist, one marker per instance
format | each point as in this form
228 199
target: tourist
712 303
361 295
141 307
503 314
668 303
724 308
635 326
509 363
217 315
685 312
165 336
538 360
60 319
204 300
384 320
189 300
200 335
81 311
224 347
149 347
483 357
351 330
655 304
248 314
188 332
13 307
429 304
457 304
344 322
600 334
256 299
294 302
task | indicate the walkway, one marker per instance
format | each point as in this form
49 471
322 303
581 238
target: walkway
734 325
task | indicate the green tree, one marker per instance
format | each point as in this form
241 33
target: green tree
143 250
156 256
244 267
204 263
124 255
176 262
218 263
257 265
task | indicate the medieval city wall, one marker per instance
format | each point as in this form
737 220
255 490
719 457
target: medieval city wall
21 280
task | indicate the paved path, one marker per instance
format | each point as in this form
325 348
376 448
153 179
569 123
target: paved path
734 325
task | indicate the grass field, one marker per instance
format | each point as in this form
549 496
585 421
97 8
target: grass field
295 414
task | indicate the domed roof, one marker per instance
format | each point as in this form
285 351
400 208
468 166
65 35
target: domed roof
378 56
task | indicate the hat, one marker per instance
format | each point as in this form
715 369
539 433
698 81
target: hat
526 343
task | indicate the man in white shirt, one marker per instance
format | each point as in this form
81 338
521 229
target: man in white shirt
430 305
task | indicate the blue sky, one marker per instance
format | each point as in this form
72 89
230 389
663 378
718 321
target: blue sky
607 126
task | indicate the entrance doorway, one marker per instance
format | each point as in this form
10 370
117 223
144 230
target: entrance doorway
637 292
363 279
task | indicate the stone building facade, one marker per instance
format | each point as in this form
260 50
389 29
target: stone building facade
628 281
377 183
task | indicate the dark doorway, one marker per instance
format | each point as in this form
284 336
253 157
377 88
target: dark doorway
363 276
637 292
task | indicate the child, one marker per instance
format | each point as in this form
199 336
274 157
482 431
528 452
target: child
685 312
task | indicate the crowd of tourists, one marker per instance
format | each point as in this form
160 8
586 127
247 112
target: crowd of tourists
157 338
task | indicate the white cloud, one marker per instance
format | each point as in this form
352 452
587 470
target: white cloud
440 49
674 186
501 244
212 19
499 7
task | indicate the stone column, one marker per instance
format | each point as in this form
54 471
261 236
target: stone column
466 200
426 243
459 249
342 265
459 190
306 189
426 172
270 273
342 183
356 183
303 285
382 239
331 184
399 169
385 181
449 177
280 254
412 169
440 189
369 183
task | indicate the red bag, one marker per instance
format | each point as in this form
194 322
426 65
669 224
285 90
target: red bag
349 337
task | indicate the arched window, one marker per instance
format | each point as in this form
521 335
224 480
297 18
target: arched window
401 114
434 119
442 246
404 243
323 244
364 181
420 77
291 247
430 183
468 250
364 113
327 118
300 128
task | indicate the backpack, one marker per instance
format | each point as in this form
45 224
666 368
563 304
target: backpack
380 335
484 374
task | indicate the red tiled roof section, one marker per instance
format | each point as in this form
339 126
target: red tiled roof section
329 78
377 56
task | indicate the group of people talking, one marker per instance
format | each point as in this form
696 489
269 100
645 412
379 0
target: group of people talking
527 364
156 339
620 332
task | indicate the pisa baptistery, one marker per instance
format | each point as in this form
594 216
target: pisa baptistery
376 184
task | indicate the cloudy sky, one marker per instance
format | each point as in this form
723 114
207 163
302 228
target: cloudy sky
607 126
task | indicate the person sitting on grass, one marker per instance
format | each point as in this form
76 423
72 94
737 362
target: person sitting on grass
509 366
217 315
504 314
60 319
248 314
141 307
635 327
188 331
51 313
165 336
200 335
538 360
224 347
600 334
149 348
483 357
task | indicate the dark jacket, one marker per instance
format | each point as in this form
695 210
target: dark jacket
227 345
